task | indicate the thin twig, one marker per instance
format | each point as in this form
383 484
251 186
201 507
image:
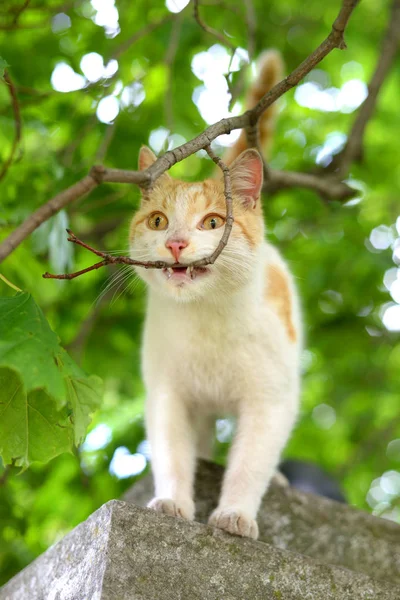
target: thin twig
20 10
353 148
108 259
225 5
251 25
17 26
63 7
107 139
369 445
77 345
147 177
124 46
210 30
17 123
229 211
169 63
67 153
28 102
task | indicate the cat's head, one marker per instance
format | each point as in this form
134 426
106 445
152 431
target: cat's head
182 222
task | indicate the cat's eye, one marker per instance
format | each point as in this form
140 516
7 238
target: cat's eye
212 222
157 221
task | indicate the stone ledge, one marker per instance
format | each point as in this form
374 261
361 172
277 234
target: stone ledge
123 552
305 523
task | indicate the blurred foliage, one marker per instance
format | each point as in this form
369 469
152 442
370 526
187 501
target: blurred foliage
350 418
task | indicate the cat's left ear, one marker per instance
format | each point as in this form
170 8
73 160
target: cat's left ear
247 177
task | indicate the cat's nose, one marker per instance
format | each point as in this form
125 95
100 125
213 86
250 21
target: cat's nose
176 247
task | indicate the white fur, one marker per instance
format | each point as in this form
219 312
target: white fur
218 348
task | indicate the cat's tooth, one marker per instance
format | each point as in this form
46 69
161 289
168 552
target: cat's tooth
188 272
192 273
170 271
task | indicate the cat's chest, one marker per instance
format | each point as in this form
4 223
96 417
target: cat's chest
205 356
197 339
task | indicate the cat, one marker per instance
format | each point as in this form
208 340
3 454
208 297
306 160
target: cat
220 340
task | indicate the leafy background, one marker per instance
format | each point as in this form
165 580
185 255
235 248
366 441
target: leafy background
344 257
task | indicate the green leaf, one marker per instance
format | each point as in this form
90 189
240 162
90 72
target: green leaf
31 429
83 394
40 387
28 345
3 66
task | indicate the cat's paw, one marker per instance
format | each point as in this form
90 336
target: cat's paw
167 506
235 522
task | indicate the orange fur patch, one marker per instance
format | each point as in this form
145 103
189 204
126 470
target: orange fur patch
251 230
279 295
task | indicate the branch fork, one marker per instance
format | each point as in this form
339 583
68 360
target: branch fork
108 259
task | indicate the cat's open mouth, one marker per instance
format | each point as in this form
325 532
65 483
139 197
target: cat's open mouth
182 273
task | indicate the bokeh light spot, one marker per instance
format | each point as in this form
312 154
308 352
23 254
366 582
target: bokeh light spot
124 464
107 109
98 438
60 22
391 318
175 6
324 416
64 78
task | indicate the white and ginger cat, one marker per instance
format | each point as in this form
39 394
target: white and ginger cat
220 340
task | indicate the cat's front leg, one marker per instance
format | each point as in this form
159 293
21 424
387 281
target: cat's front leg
263 428
172 443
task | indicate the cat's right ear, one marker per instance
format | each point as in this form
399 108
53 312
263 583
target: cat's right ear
146 158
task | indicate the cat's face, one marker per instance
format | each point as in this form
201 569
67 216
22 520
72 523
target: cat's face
182 222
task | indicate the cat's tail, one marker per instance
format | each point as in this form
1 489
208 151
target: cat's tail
270 70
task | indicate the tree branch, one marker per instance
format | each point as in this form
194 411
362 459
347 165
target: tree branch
17 123
20 10
147 177
353 148
46 211
329 188
123 47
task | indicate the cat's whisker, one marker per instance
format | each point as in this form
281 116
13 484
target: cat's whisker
121 288
110 283
132 285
